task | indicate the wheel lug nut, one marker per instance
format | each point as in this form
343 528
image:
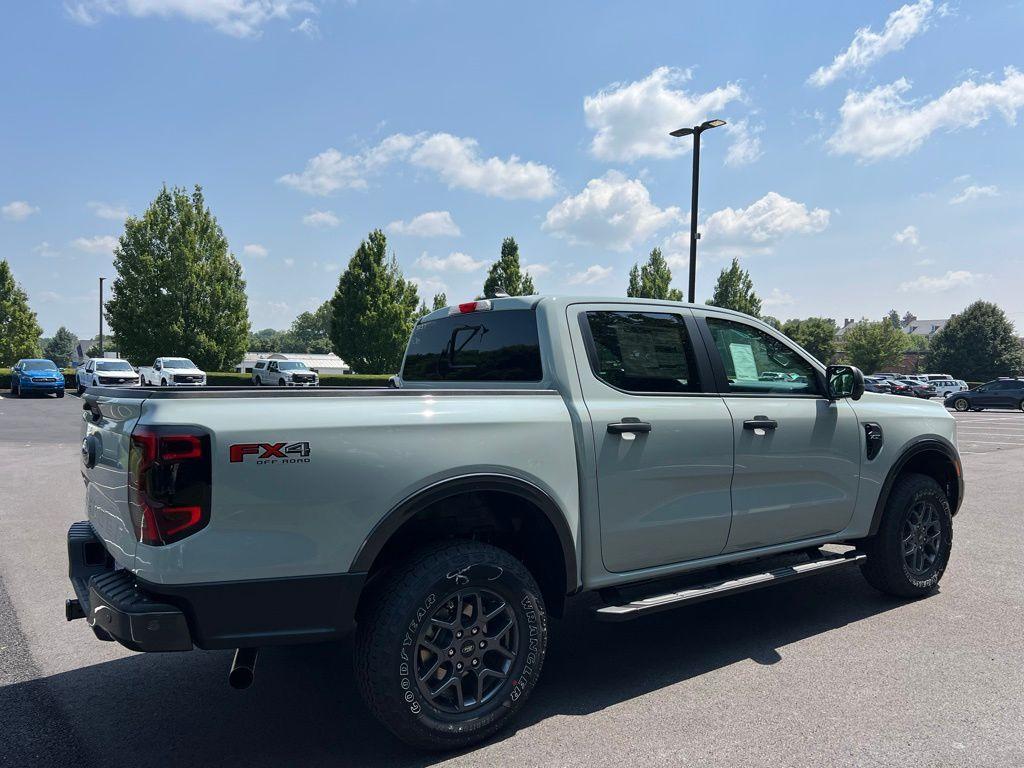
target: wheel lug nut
475 630
459 633
459 665
475 662
451 651
483 643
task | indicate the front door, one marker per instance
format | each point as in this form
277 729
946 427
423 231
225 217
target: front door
797 453
663 440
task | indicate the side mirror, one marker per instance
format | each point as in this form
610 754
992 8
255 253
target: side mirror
844 381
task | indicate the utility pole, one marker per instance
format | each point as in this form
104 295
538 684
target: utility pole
696 131
101 315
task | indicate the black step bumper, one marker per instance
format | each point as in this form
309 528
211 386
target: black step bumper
146 616
113 605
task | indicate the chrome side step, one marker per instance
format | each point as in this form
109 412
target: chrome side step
690 595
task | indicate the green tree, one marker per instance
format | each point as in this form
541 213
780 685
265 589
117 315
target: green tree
894 317
735 290
179 290
311 331
651 281
815 334
19 330
373 309
874 346
978 344
61 348
266 340
440 300
773 321
506 275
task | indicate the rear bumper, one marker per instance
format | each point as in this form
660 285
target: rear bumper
160 617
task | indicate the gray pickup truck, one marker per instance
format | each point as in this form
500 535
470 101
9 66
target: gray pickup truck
655 453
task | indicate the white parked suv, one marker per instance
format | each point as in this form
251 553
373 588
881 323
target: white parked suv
172 372
946 387
106 372
283 373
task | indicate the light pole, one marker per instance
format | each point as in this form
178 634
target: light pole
696 131
101 315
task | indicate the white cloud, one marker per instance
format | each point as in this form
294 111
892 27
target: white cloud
331 170
453 262
255 251
754 229
973 192
109 211
309 28
907 236
455 160
610 212
952 279
98 244
746 144
458 164
429 224
632 120
428 286
537 269
881 123
18 210
289 262
320 219
867 47
238 18
778 298
44 250
595 273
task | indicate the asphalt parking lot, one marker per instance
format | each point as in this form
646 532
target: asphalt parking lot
821 672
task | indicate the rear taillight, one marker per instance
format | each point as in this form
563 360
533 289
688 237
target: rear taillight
168 483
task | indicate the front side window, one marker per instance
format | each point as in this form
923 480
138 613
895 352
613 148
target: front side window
642 352
476 346
757 362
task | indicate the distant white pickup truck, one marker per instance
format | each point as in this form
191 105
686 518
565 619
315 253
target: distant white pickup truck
172 372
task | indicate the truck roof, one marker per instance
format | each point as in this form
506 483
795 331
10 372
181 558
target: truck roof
530 302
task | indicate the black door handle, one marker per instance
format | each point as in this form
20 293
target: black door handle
628 424
760 422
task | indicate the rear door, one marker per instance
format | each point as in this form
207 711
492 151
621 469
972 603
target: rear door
797 453
663 442
106 437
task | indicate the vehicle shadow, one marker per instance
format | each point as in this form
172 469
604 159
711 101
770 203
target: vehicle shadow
304 709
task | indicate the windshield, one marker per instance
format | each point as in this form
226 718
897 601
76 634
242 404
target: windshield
179 362
292 367
113 365
38 365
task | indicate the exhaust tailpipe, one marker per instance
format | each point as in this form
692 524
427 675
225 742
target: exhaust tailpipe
243 668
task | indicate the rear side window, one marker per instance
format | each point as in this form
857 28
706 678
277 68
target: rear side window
477 346
757 362
642 352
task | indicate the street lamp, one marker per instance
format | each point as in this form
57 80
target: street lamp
696 131
101 315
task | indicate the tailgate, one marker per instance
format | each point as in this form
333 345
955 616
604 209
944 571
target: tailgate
107 424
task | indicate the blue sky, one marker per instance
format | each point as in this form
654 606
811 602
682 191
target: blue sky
873 157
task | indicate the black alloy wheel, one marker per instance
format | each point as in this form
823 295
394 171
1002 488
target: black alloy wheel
466 650
921 538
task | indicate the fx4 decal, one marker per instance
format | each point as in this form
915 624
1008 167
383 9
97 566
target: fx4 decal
271 453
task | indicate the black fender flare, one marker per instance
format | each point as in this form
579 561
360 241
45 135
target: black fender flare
409 507
924 445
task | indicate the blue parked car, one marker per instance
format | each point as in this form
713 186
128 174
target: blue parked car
37 376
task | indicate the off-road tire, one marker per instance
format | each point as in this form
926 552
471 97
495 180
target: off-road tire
400 611
886 568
